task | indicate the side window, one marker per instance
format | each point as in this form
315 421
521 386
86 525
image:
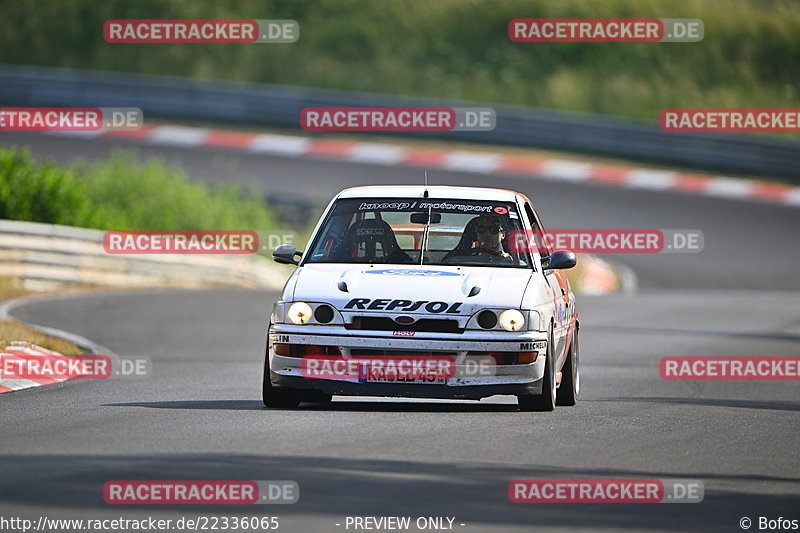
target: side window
540 241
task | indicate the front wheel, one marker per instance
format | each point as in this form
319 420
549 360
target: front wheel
570 377
546 401
275 396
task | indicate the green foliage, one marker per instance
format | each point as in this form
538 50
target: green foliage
122 193
750 56
41 192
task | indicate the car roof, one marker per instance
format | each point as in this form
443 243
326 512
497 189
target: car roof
434 191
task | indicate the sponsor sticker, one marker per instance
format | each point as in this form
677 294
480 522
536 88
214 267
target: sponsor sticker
533 346
403 306
444 205
435 205
411 272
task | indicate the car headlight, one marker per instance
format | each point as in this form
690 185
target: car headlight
300 313
512 320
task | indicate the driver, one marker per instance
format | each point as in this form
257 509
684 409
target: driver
489 235
483 236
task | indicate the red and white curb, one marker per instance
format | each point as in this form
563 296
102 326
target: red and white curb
463 161
26 351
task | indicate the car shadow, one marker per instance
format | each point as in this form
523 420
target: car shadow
336 405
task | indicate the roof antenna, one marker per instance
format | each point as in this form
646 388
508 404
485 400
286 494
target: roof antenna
425 195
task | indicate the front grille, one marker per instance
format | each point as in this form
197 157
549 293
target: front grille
429 325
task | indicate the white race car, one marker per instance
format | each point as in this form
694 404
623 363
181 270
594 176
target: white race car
416 291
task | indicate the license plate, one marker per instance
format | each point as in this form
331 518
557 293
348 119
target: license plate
401 379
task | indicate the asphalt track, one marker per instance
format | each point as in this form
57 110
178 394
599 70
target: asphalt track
199 415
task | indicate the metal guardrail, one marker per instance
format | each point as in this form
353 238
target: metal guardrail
278 105
46 256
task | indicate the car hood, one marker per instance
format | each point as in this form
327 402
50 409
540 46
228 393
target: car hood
338 284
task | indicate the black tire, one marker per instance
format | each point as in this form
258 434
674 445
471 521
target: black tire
567 393
275 396
546 401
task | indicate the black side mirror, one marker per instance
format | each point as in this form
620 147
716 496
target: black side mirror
559 260
285 254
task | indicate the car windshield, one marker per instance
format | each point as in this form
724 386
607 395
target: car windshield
424 231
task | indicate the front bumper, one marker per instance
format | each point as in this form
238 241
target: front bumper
460 392
514 379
